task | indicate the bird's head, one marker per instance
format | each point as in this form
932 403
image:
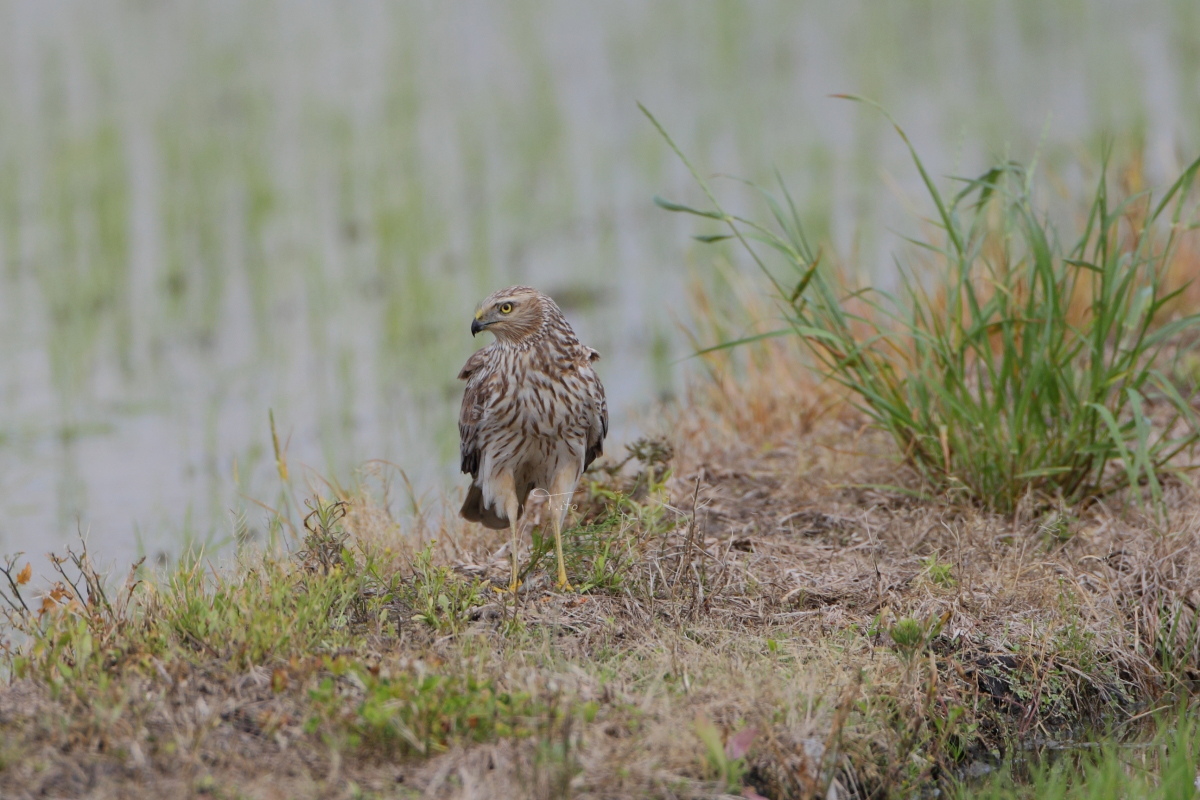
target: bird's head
512 314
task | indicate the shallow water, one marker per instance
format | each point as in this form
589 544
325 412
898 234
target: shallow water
212 210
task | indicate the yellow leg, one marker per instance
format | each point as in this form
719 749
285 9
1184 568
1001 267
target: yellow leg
563 583
511 510
564 486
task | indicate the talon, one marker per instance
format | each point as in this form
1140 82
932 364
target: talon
564 585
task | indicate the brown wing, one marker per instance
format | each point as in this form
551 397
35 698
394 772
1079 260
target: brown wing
469 416
598 429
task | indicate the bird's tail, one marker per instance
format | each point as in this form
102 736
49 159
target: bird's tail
473 510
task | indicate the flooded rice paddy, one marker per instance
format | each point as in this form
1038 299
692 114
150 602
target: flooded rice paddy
212 211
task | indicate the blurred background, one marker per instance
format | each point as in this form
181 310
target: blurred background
213 210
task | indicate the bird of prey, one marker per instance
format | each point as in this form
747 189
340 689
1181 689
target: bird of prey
533 414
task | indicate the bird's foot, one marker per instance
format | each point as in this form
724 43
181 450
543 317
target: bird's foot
564 585
512 588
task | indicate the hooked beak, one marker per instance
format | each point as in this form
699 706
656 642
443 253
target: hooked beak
477 326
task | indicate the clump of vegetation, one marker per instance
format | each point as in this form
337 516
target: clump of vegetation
274 609
1030 365
1159 767
440 598
417 712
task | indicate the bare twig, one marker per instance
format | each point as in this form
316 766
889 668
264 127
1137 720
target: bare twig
16 598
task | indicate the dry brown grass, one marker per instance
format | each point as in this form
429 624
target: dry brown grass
763 586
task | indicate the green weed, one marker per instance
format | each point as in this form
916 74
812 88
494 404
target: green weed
421 713
938 572
726 761
1160 768
908 635
440 598
275 611
271 613
1176 638
913 636
598 554
82 632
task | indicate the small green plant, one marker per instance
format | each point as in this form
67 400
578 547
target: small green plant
911 636
597 553
1056 526
1017 363
908 635
272 613
939 573
1176 639
415 713
642 496
80 631
602 551
952 732
440 598
1075 643
325 538
726 761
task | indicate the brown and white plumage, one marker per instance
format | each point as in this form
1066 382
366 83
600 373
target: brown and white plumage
534 415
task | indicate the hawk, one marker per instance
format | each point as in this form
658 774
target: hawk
533 414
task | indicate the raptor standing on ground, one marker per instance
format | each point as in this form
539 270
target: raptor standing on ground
533 414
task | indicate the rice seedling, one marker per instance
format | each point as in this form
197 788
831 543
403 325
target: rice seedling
1022 361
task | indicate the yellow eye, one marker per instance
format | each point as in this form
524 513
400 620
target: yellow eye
506 308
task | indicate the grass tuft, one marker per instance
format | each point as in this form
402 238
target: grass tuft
1016 360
